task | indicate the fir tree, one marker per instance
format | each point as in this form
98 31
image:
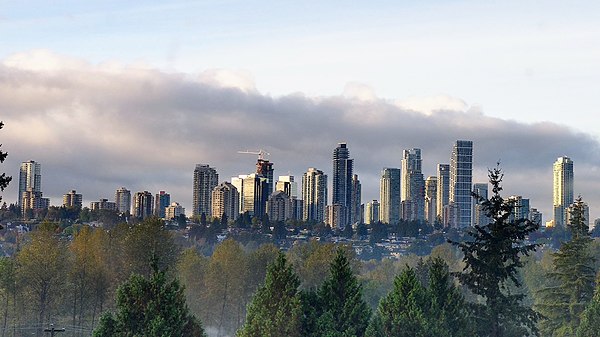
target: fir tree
573 274
590 318
343 311
492 258
276 309
150 307
4 179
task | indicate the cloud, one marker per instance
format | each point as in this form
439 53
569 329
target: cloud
95 128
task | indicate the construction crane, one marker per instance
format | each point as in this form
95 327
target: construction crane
261 153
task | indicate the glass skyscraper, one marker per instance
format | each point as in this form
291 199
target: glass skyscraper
461 180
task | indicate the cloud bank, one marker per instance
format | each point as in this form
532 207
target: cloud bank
95 127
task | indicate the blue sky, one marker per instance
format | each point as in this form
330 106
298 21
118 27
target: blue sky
522 61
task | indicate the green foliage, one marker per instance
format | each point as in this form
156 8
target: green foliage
341 308
150 307
574 274
590 318
493 257
412 309
276 308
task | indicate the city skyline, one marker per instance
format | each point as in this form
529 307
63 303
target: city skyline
138 102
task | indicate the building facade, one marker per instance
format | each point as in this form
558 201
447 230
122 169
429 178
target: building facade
389 195
280 206
479 213
343 168
226 201
412 186
372 210
461 180
143 205
123 200
314 194
431 200
173 211
443 190
205 180
72 199
161 202
255 194
563 185
30 178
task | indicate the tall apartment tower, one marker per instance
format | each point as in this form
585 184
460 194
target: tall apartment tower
161 202
314 194
342 180
355 215
479 214
205 180
255 190
443 189
562 189
143 204
72 199
123 200
264 168
461 180
372 210
389 195
30 178
226 200
289 186
412 186
431 200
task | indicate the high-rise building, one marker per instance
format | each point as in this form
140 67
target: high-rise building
33 201
264 168
342 180
123 200
479 214
226 200
431 200
562 189
161 202
461 180
314 194
205 180
356 214
289 186
280 206
412 186
30 178
143 204
443 190
238 182
389 195
255 189
520 207
372 211
174 211
335 216
103 204
72 199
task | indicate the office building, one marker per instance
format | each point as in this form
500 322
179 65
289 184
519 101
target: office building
123 200
412 186
226 201
314 194
562 189
431 200
143 204
461 180
205 180
342 180
30 178
389 195
72 199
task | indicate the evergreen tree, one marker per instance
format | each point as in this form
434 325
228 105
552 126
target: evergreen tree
574 274
342 309
276 309
590 318
4 179
492 258
150 307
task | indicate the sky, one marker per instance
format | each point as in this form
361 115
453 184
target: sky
109 94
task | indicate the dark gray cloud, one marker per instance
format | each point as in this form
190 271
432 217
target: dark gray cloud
96 128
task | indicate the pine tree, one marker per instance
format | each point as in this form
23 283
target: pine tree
590 318
4 179
492 258
276 309
342 309
574 274
150 307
